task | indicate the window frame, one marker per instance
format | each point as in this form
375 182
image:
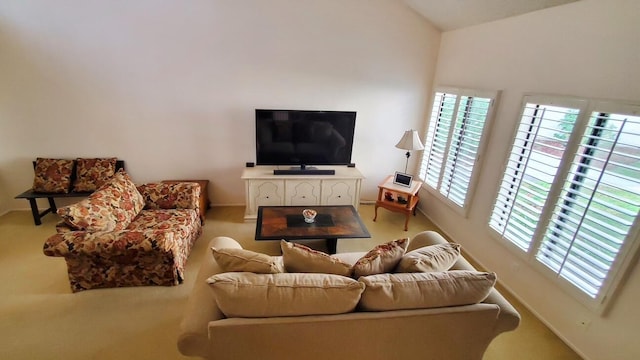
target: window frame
628 251
459 92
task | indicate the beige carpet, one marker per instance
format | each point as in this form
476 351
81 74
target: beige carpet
41 319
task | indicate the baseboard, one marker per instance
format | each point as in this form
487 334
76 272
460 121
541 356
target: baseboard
211 205
512 293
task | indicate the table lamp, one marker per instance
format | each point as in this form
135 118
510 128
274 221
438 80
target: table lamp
410 141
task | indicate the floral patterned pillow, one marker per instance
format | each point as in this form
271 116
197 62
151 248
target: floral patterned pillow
381 259
52 175
93 173
110 208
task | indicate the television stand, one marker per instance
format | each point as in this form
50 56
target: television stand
304 170
264 188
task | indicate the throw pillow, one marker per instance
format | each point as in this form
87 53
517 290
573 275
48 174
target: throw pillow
440 257
381 259
425 290
112 207
302 259
239 260
286 294
52 175
93 173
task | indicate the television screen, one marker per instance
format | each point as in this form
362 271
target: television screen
304 137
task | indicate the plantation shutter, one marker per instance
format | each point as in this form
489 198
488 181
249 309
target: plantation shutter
453 142
538 148
599 203
464 145
437 138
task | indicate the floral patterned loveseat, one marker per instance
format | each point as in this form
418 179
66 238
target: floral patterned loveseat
123 235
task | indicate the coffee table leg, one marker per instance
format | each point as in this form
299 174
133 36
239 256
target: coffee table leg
332 245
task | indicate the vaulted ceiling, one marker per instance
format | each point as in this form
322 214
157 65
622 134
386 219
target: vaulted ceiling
455 14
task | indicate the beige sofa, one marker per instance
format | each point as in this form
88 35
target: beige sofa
457 332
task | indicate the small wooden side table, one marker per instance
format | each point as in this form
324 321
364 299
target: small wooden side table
204 195
390 193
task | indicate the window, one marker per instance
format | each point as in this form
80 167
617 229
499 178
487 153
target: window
540 143
569 196
459 121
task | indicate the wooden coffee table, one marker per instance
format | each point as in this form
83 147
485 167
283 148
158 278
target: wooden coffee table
331 223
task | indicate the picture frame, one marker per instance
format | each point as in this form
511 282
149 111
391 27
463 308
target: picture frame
402 179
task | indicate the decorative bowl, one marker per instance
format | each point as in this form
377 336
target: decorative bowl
309 215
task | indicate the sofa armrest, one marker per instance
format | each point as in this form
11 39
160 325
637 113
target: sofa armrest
509 318
201 307
111 243
182 195
425 238
223 242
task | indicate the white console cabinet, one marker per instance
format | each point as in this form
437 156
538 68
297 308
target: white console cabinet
263 188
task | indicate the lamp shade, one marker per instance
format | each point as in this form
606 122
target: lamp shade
410 141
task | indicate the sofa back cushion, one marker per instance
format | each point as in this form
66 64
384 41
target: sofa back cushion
302 259
425 290
182 195
112 207
440 257
243 294
52 175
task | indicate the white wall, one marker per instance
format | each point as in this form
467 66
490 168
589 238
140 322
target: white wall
589 48
171 86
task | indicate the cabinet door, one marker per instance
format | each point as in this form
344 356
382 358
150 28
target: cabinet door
302 192
340 192
265 193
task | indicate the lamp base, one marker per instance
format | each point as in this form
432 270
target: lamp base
406 165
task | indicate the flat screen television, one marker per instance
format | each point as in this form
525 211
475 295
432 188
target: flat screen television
299 138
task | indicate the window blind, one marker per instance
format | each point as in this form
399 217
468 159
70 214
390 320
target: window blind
598 205
570 194
540 142
464 145
453 142
437 138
